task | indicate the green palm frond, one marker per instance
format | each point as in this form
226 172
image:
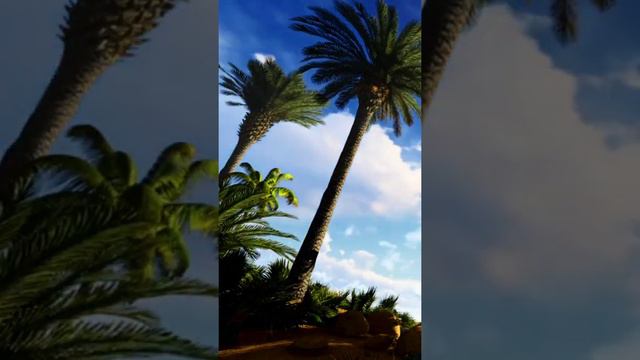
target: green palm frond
170 169
115 340
365 56
72 172
267 89
251 182
388 303
192 216
94 144
362 300
74 262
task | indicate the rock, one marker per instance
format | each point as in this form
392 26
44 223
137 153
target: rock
384 322
351 323
380 342
311 343
410 341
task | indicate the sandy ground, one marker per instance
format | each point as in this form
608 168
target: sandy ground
261 345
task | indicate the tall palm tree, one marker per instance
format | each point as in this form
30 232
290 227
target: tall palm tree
112 176
96 34
365 58
251 182
270 96
64 293
444 20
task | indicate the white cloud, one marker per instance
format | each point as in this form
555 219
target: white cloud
569 203
350 231
364 259
626 73
351 275
380 182
416 147
341 252
388 245
626 349
390 260
326 244
391 257
357 271
413 239
263 57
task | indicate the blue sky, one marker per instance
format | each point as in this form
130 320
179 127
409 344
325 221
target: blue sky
374 237
166 93
531 203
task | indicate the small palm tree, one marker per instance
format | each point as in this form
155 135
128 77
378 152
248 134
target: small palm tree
242 225
362 300
270 96
251 182
112 176
66 285
444 20
388 303
61 260
362 57
96 34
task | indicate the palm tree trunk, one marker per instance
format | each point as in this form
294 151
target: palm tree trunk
242 146
55 109
305 260
442 23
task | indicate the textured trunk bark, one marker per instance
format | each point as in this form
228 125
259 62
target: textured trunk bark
253 128
442 23
305 260
55 109
235 159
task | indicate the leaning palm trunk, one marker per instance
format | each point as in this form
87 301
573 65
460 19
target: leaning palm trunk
252 129
442 23
235 159
56 107
305 260
96 34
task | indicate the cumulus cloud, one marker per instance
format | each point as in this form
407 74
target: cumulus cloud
364 259
412 239
326 244
264 57
380 182
350 231
391 257
568 203
357 271
388 245
416 147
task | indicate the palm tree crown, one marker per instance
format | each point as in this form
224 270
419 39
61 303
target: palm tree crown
251 182
270 96
267 90
365 57
111 176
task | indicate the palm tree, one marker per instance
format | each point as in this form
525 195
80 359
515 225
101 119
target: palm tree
96 34
444 20
64 293
242 225
270 96
365 58
251 182
361 300
112 176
